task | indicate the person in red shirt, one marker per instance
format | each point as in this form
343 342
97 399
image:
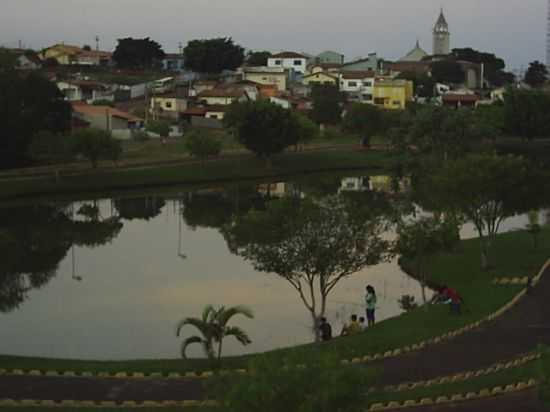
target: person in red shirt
454 298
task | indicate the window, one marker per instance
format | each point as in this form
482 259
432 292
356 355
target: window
297 62
379 100
278 62
352 84
367 97
264 79
213 116
168 105
397 103
368 83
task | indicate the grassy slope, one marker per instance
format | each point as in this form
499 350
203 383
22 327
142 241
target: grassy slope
221 170
514 257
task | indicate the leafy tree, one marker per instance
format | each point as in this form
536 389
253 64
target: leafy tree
327 104
493 66
447 71
49 147
138 53
257 58
275 385
527 113
487 189
419 241
307 130
28 104
262 127
160 127
202 145
311 244
87 47
423 84
95 144
537 74
213 55
366 120
213 329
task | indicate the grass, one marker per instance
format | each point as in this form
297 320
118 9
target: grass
514 256
224 169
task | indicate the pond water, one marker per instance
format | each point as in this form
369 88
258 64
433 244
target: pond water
76 283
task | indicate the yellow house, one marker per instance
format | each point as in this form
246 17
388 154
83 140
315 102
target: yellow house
276 76
168 105
392 94
66 54
319 78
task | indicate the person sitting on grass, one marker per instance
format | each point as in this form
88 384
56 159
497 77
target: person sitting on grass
325 330
352 328
449 296
362 324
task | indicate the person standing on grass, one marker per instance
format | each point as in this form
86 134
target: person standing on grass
370 300
325 330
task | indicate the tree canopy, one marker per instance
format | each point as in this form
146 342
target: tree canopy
493 66
366 120
527 113
257 58
133 53
448 71
28 104
537 74
213 55
96 144
327 104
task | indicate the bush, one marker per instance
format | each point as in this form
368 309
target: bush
95 144
202 145
50 147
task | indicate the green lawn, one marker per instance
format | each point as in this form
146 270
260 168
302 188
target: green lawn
225 169
514 256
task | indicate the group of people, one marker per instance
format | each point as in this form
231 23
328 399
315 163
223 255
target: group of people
356 324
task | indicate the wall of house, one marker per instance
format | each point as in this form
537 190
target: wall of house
394 97
218 100
319 78
171 104
357 85
298 64
215 115
278 80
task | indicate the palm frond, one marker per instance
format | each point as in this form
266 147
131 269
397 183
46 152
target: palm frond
204 327
208 313
225 315
239 334
190 340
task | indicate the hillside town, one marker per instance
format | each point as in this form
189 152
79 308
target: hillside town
122 98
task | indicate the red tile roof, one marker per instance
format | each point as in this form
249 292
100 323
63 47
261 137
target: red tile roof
92 110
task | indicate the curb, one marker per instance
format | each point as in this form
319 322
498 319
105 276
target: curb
105 404
455 398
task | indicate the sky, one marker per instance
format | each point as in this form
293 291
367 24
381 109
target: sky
513 29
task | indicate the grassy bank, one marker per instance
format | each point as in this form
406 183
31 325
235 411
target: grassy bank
225 169
513 254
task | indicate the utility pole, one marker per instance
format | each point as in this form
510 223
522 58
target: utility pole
180 46
97 43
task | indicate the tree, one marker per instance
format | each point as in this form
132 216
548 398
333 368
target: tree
28 104
49 147
95 144
213 55
366 120
275 385
423 84
327 104
421 240
487 189
527 113
257 58
447 71
262 127
493 66
537 74
160 127
533 227
138 53
213 329
307 130
202 145
313 245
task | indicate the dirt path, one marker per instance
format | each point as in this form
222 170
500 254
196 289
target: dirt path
518 331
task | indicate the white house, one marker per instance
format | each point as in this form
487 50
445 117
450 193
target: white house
359 85
85 90
289 60
222 96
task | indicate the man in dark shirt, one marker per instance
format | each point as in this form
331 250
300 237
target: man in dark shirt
325 329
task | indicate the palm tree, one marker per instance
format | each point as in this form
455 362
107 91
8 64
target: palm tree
213 328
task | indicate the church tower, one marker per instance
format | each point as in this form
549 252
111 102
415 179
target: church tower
442 36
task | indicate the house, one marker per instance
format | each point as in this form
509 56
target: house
73 55
320 78
119 123
173 63
268 90
252 89
457 100
168 105
276 76
27 60
85 90
222 96
358 85
370 63
324 67
392 93
289 60
216 111
199 86
329 57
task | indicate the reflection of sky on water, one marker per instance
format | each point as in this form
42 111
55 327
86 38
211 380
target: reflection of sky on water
135 289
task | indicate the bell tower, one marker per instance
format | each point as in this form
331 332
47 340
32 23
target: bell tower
441 36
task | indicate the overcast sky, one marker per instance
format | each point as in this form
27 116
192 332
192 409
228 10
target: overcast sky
513 29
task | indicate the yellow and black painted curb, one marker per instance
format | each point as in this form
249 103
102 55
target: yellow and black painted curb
104 404
465 376
357 360
511 281
455 398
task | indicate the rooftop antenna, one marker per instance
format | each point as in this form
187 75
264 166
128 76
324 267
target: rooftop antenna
97 43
